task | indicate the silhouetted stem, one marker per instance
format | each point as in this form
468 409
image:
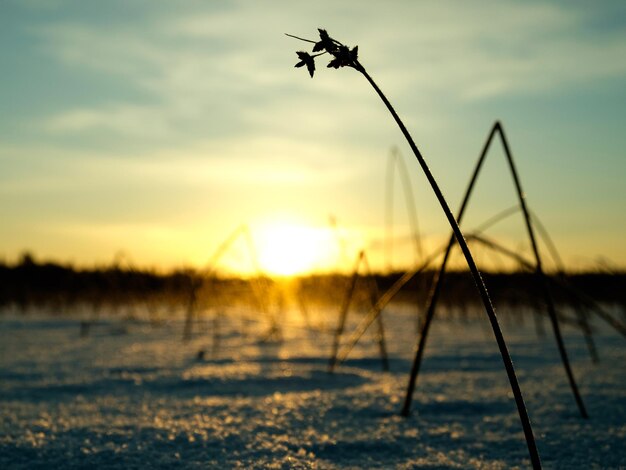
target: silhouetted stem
496 218
537 268
195 285
558 262
301 39
542 278
374 295
396 160
584 323
593 305
435 290
260 290
381 303
523 264
343 313
506 358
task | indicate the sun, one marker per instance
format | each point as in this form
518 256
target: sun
287 249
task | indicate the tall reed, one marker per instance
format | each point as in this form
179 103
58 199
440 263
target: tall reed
496 130
560 271
396 160
258 283
382 301
373 297
196 282
343 56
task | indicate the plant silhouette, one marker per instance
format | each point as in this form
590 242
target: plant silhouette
496 130
343 56
374 296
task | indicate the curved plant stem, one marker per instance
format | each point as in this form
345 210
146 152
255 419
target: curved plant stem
538 269
542 277
343 313
547 240
396 160
435 291
374 295
382 302
506 358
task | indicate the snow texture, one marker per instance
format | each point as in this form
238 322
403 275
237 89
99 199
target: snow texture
133 395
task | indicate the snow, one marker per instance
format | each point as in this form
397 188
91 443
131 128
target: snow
133 395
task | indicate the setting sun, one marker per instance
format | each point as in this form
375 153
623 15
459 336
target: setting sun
286 250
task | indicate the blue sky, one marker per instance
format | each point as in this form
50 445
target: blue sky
157 127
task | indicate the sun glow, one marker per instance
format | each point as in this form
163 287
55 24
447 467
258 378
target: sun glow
287 250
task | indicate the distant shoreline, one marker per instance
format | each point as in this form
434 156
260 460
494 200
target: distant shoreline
30 283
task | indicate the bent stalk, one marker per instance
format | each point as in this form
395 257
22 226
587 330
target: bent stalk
343 56
482 289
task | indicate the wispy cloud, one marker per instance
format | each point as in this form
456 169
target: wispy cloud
195 107
220 66
477 50
143 121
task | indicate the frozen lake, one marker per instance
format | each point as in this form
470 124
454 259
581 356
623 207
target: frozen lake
133 395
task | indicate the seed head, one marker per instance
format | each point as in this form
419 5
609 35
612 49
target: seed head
342 55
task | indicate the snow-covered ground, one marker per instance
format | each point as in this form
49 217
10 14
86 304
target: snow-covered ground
131 395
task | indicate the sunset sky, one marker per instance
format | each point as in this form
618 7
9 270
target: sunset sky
156 128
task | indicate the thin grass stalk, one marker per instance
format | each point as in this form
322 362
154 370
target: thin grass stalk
592 305
396 161
411 208
554 253
374 295
497 218
560 268
547 240
506 358
532 220
196 284
343 56
381 303
584 323
389 212
343 313
260 289
497 128
543 278
524 264
436 284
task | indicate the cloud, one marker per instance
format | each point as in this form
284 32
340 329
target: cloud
260 161
229 68
141 121
480 50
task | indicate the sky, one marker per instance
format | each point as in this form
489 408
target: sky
157 129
